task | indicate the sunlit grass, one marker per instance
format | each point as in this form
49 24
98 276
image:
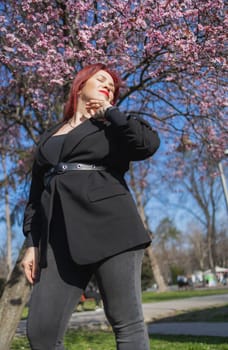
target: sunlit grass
148 297
210 314
87 340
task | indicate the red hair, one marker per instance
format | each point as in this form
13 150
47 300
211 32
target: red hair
82 76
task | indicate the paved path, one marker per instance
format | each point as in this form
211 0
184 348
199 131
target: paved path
190 328
156 311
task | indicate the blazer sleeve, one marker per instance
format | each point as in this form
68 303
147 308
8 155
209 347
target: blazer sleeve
32 215
141 140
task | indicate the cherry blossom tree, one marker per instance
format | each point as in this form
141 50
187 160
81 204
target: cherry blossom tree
171 55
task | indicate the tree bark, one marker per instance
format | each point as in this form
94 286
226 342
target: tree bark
211 246
153 260
8 221
12 302
162 287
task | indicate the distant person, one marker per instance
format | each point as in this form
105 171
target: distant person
184 282
81 219
92 292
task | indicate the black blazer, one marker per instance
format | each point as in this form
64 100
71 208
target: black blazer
100 215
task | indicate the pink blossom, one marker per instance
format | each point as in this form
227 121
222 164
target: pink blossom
171 53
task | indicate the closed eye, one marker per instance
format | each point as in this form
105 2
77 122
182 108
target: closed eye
102 80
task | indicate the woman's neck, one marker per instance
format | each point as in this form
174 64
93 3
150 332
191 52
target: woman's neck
81 114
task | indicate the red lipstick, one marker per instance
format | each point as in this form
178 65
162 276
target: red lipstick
104 92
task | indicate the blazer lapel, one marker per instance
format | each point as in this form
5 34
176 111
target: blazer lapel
47 134
74 137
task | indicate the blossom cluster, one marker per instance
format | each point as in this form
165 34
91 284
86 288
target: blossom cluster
170 53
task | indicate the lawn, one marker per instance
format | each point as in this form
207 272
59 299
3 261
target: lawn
104 341
149 297
211 314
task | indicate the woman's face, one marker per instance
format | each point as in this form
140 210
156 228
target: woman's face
99 87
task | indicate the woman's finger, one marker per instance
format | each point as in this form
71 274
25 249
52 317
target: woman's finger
28 273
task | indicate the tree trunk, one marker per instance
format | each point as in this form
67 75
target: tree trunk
211 227
14 297
162 287
8 221
153 260
211 246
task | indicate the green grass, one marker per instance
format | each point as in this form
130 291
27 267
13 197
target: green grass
89 305
88 340
24 313
105 341
211 314
148 297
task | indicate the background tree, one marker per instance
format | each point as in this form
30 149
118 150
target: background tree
147 274
198 249
167 244
206 192
139 185
13 299
7 216
167 235
222 247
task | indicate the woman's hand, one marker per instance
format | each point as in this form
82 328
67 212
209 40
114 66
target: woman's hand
97 108
30 264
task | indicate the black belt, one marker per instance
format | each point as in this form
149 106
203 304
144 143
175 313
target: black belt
62 168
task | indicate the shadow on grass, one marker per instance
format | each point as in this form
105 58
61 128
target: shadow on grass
212 314
191 339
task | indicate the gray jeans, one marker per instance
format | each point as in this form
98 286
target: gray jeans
60 286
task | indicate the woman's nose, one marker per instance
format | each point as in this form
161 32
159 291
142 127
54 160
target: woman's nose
105 86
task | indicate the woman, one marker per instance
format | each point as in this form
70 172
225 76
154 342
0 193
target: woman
80 218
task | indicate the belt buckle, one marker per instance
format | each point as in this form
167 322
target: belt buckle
61 168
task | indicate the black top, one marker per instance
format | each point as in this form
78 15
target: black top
52 148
